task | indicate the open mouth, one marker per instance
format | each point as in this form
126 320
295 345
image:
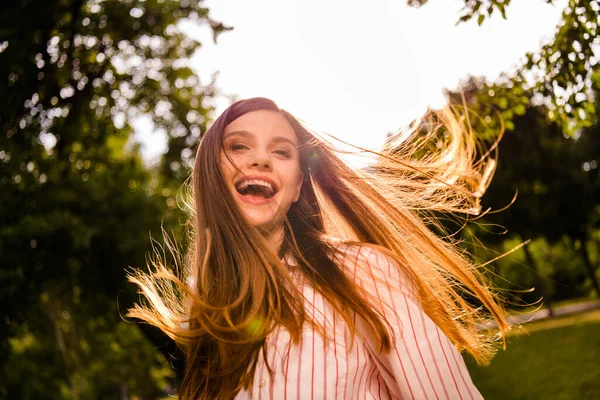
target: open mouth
256 187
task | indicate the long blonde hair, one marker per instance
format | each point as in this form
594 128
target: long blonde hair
233 290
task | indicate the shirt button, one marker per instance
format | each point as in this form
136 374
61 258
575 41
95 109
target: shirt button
262 382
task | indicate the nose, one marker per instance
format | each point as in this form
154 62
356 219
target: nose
260 158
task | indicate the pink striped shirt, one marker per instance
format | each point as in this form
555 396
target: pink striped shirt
423 363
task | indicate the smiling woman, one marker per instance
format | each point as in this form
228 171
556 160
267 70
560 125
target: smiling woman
307 279
260 163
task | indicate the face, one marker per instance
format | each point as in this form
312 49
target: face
264 148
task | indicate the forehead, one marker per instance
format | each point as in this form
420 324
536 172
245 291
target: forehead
263 123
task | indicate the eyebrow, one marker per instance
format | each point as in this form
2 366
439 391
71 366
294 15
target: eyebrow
276 139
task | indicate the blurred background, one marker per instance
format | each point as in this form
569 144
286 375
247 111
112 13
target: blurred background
103 103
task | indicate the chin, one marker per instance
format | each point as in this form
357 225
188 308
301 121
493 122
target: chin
260 221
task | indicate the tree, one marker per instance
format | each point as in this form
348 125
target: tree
561 82
553 174
561 73
77 203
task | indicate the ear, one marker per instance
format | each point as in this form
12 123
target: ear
299 187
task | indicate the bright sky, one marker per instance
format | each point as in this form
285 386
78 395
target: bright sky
356 69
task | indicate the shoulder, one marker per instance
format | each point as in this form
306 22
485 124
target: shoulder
373 267
359 255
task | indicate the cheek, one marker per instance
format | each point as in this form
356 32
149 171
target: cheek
294 181
299 182
228 166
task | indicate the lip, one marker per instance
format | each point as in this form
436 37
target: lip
255 199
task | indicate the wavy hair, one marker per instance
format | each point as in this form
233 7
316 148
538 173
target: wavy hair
233 290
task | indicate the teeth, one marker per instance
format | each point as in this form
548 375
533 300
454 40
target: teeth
249 182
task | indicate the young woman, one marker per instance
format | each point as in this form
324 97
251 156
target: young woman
310 280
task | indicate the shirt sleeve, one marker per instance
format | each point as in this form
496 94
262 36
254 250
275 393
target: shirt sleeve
423 363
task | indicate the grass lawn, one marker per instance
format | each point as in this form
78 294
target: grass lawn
553 359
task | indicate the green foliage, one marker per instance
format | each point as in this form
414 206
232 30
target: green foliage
540 164
549 183
94 357
559 363
480 9
563 74
559 269
563 70
78 206
557 185
476 8
103 59
65 248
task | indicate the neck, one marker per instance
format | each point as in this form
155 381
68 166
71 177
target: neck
275 238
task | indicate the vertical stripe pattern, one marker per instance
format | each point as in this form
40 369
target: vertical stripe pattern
423 363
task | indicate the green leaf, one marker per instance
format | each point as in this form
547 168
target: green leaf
502 9
519 109
502 102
